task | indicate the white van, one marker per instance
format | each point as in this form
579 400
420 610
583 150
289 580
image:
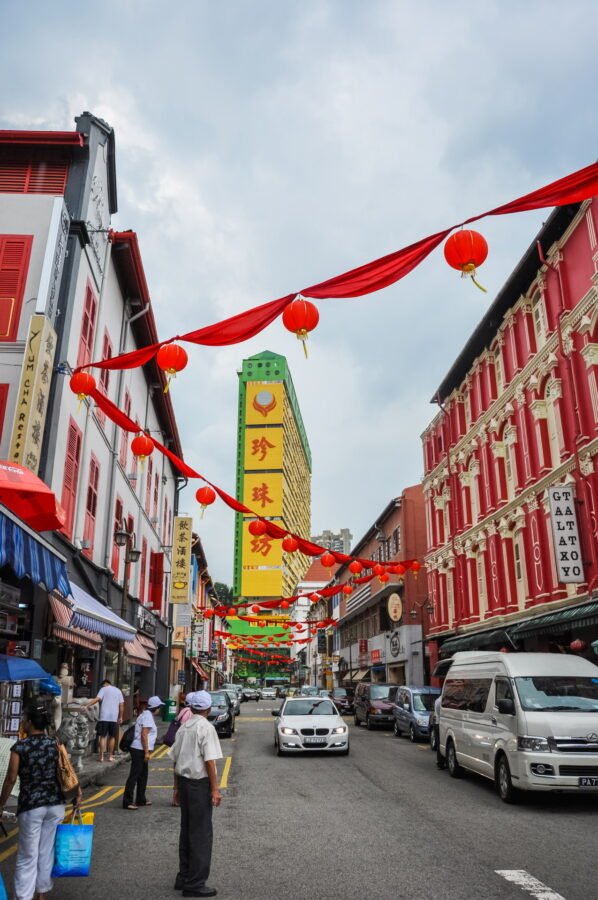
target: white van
529 721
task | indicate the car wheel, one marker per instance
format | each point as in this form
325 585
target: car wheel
356 720
504 784
433 739
412 735
344 752
396 729
455 770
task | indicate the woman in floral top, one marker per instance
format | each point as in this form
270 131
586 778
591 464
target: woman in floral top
34 760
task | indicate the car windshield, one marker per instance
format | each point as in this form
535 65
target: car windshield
379 692
232 694
339 692
568 693
423 702
218 700
309 708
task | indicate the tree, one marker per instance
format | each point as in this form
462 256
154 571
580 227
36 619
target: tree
224 593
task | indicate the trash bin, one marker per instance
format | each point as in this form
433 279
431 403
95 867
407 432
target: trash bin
169 714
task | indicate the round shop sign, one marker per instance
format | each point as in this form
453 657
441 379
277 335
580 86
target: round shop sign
395 644
395 607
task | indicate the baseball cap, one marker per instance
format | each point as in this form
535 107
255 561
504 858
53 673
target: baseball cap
154 703
198 700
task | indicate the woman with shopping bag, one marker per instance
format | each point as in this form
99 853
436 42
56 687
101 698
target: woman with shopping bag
36 762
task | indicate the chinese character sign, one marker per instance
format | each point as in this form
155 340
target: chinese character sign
264 403
263 492
263 449
180 581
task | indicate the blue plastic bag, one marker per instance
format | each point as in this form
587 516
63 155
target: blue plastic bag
72 855
3 894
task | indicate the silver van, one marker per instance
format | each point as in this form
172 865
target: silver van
528 721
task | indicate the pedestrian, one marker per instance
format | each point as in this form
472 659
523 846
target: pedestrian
440 762
141 751
195 751
40 804
112 708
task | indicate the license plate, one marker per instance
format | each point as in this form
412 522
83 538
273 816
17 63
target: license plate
315 742
588 781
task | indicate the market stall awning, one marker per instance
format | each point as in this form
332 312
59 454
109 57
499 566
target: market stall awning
18 668
559 620
137 653
29 498
30 556
91 615
62 612
481 640
348 676
147 642
361 674
201 672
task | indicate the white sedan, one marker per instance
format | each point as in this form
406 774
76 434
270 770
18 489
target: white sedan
268 693
310 723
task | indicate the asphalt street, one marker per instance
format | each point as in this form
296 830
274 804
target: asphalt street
380 823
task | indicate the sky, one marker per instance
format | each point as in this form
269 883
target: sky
264 145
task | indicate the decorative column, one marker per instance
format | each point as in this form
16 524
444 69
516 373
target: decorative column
506 536
472 582
536 551
494 573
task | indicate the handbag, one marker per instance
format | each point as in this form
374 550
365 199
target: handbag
170 736
67 777
72 854
127 739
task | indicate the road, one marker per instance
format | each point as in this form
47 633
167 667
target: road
380 823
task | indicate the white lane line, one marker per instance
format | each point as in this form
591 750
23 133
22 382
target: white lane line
528 883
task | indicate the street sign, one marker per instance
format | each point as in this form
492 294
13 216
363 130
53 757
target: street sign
565 534
395 607
181 559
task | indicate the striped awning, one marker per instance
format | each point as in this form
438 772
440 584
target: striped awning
147 642
201 672
30 556
91 615
137 653
62 612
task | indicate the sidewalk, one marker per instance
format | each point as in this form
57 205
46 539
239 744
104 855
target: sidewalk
95 772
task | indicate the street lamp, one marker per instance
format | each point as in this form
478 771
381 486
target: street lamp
425 604
125 538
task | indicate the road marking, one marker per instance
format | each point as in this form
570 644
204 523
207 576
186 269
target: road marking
528 883
8 852
420 747
158 754
225 772
256 719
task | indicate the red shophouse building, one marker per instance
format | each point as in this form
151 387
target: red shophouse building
519 414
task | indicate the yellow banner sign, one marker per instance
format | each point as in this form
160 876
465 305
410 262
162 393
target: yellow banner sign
260 551
263 448
261 582
32 398
264 404
263 493
180 582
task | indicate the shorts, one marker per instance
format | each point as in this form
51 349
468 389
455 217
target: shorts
107 729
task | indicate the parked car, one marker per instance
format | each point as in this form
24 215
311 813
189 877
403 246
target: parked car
308 690
372 705
250 693
324 693
267 693
222 715
412 709
310 723
527 721
343 700
238 688
234 699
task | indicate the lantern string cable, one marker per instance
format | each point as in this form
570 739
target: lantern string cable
367 278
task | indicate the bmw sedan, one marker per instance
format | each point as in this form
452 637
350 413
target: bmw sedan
310 723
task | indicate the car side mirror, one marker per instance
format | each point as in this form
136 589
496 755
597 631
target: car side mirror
276 712
406 706
506 707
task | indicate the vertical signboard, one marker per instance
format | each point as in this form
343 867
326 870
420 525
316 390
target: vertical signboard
32 397
180 583
565 533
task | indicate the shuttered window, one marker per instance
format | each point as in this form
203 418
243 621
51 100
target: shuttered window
88 328
104 380
3 401
142 573
156 581
156 496
148 486
118 522
124 435
91 505
35 177
15 250
71 474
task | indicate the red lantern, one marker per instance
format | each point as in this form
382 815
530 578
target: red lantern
466 250
171 359
347 589
82 384
285 625
284 604
255 609
205 496
257 527
315 597
415 567
399 569
231 611
328 560
299 626
383 578
577 645
142 446
290 544
208 613
378 569
300 317
355 567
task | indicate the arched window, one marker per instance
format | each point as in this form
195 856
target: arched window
481 583
520 573
553 422
540 323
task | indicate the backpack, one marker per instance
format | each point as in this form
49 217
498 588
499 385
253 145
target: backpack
170 736
127 739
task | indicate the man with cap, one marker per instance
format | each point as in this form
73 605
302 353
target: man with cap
141 750
195 751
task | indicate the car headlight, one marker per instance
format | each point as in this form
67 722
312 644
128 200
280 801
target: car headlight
340 730
222 717
422 722
535 744
288 730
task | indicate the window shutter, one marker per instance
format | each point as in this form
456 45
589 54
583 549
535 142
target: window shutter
143 568
91 505
104 380
3 401
35 177
124 436
156 580
148 486
15 251
118 518
156 495
88 328
71 474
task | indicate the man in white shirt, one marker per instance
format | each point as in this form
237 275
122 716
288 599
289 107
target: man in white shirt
141 750
195 751
112 706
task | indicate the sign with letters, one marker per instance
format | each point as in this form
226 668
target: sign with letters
180 582
565 534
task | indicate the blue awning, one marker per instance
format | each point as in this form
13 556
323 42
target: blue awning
91 615
30 556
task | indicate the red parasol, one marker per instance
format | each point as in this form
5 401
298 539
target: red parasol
29 498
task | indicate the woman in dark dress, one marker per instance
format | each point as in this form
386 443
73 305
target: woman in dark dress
40 809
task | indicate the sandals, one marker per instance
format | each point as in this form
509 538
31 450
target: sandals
131 806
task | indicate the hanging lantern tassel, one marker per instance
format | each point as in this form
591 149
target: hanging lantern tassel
205 496
301 317
171 359
415 567
465 251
